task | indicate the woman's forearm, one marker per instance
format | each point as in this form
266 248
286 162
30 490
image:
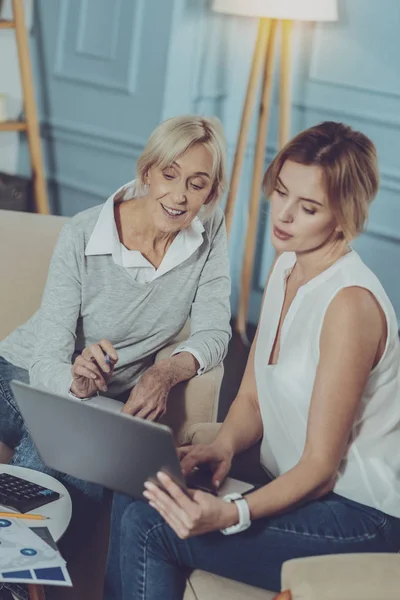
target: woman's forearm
242 427
308 480
177 368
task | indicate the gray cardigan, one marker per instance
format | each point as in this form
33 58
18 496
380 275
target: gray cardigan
89 298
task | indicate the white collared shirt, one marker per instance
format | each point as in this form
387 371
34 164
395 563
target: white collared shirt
105 240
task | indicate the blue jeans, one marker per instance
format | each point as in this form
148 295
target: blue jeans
86 497
147 560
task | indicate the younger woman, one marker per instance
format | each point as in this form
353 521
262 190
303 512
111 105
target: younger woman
321 388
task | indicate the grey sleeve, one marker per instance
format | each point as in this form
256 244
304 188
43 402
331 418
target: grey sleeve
58 315
210 329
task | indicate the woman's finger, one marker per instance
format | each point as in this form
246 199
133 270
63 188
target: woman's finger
173 518
133 408
90 366
174 523
183 450
179 496
82 371
109 349
144 412
85 362
103 354
220 473
100 357
193 459
168 504
134 403
155 415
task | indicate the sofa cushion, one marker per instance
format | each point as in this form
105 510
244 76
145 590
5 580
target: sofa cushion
343 577
206 586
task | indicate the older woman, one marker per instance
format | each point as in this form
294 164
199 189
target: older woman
124 278
321 389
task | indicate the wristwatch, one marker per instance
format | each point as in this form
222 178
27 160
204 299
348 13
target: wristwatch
244 514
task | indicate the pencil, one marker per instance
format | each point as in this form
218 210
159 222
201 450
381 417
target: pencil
22 516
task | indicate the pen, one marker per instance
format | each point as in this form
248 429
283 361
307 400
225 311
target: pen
21 516
107 359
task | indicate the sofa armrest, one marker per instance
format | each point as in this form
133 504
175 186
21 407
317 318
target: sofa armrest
27 243
193 401
343 577
245 466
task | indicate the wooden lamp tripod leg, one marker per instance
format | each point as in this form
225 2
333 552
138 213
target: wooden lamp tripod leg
258 58
284 86
251 234
32 125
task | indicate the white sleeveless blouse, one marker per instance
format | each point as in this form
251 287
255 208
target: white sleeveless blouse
370 472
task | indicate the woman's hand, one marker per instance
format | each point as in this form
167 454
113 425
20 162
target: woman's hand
148 399
90 371
217 456
189 516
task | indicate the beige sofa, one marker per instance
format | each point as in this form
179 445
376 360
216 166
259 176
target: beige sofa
26 243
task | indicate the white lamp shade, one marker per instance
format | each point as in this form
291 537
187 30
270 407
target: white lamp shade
295 10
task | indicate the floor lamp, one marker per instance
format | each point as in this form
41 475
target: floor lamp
272 14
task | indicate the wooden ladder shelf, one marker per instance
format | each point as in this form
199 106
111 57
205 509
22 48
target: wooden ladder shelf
30 125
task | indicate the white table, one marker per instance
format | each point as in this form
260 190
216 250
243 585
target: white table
59 511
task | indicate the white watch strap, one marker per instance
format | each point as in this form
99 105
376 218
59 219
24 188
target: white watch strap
244 514
244 511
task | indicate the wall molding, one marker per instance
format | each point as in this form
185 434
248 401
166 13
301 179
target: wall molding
84 187
94 137
314 77
80 40
382 233
129 87
390 180
353 86
360 115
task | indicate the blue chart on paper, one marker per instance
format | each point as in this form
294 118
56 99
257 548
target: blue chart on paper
30 555
17 574
51 574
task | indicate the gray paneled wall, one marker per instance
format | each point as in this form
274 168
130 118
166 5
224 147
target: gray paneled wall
347 71
102 67
111 70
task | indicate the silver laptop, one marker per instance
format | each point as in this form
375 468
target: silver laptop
93 442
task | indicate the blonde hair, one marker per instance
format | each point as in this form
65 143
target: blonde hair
172 138
349 163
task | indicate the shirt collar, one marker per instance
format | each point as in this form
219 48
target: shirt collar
105 240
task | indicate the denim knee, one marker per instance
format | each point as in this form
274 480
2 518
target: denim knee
11 423
137 515
138 521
